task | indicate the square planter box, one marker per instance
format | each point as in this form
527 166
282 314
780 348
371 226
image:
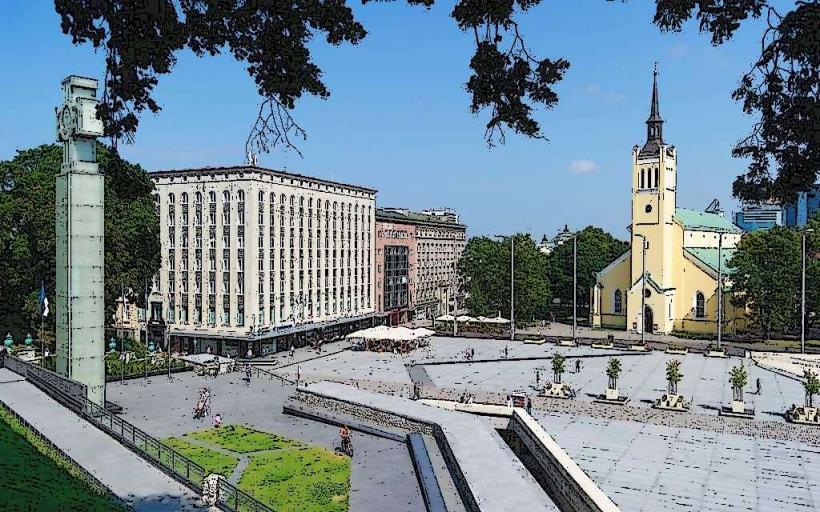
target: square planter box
611 397
670 402
553 390
737 410
639 348
804 415
603 345
716 353
567 342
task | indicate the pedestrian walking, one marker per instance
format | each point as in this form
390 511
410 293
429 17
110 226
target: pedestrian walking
298 374
292 351
529 406
537 377
217 420
577 366
472 353
506 351
758 386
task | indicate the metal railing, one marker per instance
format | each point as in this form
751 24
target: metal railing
260 373
71 394
235 500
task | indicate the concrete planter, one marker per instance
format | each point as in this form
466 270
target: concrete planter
716 353
554 390
671 402
804 415
639 348
567 342
603 344
612 394
678 351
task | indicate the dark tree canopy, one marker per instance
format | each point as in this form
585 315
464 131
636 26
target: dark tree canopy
27 239
485 271
141 40
780 90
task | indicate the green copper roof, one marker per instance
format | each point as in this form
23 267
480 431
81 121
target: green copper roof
709 257
696 219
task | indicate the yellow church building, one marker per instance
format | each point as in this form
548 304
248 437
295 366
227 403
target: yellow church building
676 253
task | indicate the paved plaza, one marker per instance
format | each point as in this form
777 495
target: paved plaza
382 476
642 458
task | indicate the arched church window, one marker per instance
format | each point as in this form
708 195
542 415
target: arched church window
656 178
643 176
699 306
617 301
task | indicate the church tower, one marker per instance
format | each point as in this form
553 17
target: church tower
654 187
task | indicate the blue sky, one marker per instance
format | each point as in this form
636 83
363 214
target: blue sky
398 117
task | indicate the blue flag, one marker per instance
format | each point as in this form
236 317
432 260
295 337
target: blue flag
43 299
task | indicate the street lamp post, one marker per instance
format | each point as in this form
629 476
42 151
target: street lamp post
512 288
803 294
720 292
574 284
643 287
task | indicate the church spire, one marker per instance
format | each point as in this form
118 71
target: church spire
654 125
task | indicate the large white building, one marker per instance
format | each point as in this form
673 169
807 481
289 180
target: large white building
259 259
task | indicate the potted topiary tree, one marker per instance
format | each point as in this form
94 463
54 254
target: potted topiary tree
811 384
556 388
558 367
613 370
738 378
671 400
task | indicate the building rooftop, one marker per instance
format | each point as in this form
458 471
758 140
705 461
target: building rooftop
700 220
709 257
407 216
252 169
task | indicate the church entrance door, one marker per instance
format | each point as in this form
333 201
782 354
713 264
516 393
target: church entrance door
648 321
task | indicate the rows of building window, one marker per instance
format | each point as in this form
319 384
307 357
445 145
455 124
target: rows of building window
350 261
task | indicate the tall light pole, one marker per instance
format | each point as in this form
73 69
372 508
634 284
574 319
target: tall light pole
512 288
574 284
720 291
803 294
512 284
643 287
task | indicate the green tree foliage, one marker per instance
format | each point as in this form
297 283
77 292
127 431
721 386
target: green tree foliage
27 233
767 278
485 271
673 375
613 370
811 385
738 378
596 249
558 367
780 89
141 41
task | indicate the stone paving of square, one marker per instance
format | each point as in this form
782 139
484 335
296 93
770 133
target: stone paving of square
643 458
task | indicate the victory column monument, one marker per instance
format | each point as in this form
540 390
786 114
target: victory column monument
79 240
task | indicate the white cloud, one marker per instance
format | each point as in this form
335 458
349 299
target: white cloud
582 166
592 89
679 50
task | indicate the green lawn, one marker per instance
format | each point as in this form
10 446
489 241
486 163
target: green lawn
36 477
212 461
287 475
241 439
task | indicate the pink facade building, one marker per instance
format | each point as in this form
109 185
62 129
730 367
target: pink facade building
396 268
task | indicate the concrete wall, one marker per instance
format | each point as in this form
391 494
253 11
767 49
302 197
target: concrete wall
566 483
